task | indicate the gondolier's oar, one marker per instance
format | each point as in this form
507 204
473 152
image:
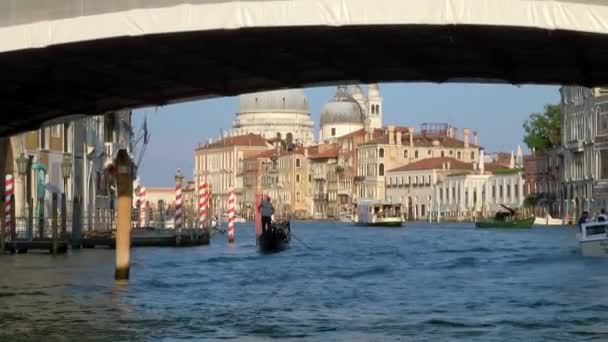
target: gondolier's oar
302 242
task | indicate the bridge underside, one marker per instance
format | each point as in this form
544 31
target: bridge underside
95 76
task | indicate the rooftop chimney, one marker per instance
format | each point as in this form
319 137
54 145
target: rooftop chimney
466 135
391 135
475 140
482 161
398 137
410 130
454 132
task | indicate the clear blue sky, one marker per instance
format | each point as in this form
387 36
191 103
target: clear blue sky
496 111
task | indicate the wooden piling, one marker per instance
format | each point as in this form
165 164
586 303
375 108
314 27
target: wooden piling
2 229
76 222
30 219
64 213
123 230
54 227
14 220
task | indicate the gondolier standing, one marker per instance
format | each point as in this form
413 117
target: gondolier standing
266 211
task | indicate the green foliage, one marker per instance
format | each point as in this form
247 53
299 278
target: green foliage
542 130
531 201
506 171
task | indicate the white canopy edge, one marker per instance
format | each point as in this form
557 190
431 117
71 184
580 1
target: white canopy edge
572 15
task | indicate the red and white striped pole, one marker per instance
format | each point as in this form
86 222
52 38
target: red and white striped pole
202 204
178 205
143 207
231 207
8 203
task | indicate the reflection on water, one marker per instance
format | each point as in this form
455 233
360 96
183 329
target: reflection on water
423 282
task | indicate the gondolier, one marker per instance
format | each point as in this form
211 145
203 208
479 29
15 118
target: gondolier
266 211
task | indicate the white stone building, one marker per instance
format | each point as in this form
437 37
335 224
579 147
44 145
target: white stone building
269 114
445 187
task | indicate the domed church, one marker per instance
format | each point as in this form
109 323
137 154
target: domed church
348 112
285 112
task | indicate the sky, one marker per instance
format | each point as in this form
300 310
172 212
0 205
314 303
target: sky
496 111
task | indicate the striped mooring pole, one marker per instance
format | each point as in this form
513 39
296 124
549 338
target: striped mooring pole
202 204
178 205
231 207
8 203
143 207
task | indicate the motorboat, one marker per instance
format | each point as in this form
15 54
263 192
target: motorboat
378 213
506 218
593 239
548 221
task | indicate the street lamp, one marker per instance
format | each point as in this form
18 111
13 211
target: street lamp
66 171
22 163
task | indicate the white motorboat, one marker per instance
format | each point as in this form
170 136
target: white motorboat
593 239
346 217
548 221
378 213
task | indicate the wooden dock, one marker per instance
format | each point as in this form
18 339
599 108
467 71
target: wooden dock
150 237
23 246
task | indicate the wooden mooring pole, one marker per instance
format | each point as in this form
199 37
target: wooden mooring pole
123 230
54 227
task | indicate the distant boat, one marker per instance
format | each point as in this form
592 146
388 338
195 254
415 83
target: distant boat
593 239
346 217
506 219
548 221
377 213
276 239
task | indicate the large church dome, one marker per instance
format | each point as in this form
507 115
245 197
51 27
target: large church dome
342 109
279 101
273 113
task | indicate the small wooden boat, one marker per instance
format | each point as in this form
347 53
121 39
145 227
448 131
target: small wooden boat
506 219
276 239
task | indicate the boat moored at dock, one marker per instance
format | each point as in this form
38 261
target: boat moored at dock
593 239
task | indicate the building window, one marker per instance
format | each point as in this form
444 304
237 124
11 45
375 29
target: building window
405 154
416 154
381 170
472 155
297 162
509 191
442 153
66 137
500 191
56 131
441 194
42 139
333 132
381 153
494 191
298 196
458 155
429 152
297 178
310 178
604 164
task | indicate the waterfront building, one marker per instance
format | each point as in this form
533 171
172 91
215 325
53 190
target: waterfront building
397 146
585 149
542 172
447 188
325 169
281 113
86 148
220 162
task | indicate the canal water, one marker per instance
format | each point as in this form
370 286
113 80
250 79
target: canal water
420 283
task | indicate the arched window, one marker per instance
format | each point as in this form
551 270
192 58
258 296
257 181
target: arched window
416 154
381 153
381 170
405 154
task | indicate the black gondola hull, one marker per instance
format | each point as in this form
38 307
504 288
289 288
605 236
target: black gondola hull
276 239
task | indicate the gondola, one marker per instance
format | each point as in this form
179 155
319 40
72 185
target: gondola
276 239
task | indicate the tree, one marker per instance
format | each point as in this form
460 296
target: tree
542 130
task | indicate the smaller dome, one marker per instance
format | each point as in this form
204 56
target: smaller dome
342 108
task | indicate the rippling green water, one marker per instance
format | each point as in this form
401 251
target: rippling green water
420 283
